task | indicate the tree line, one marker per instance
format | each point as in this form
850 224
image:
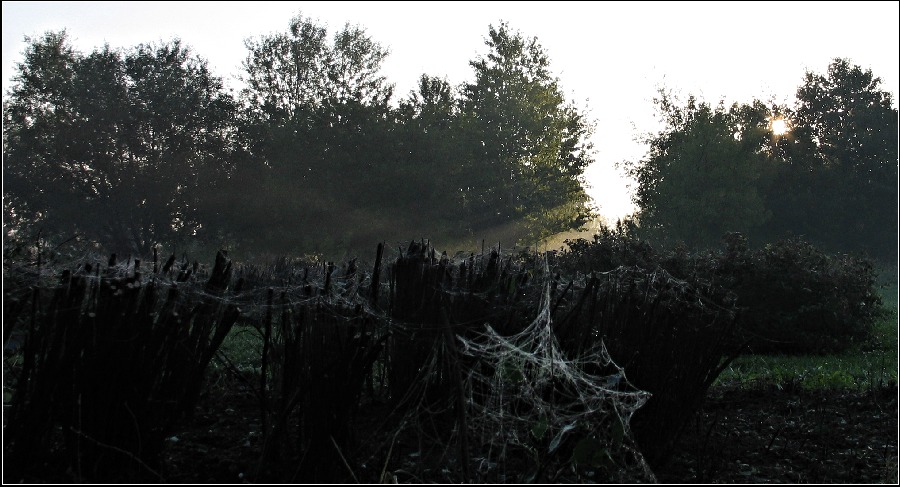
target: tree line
829 175
135 147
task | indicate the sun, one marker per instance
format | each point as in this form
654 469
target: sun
779 126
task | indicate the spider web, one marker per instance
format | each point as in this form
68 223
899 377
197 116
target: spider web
535 413
568 416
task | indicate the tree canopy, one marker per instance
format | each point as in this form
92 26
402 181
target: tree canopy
333 153
832 177
141 146
839 186
529 147
117 146
133 147
701 176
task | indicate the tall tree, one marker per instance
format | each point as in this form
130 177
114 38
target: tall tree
429 155
288 74
702 174
840 184
528 147
318 122
117 146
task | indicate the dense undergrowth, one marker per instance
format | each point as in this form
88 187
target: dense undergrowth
583 364
865 366
793 297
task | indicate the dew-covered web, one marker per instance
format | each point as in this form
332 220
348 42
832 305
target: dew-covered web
299 283
530 402
533 412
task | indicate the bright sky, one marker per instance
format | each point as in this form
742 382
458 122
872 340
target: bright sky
610 56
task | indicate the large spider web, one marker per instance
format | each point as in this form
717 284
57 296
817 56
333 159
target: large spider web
568 416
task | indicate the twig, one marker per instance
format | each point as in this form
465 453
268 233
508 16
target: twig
336 447
229 365
775 435
462 423
123 452
267 337
412 476
387 459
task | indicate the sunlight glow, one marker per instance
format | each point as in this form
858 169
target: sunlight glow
779 126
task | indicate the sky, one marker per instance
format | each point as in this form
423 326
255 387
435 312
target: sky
610 57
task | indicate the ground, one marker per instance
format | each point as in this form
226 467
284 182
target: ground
771 435
759 434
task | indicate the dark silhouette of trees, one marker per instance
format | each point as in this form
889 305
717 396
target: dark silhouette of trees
141 146
838 185
832 178
701 176
335 164
135 147
116 146
320 130
527 148
432 146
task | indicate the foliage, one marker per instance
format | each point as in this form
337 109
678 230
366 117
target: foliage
866 366
131 148
504 150
318 128
838 183
608 249
120 147
289 75
700 177
802 300
527 148
794 297
831 178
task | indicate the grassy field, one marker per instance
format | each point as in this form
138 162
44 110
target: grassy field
865 366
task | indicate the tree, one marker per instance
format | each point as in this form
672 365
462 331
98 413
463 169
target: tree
319 125
429 155
528 149
288 75
839 186
702 174
116 146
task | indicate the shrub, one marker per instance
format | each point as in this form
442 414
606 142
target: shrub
111 364
793 297
800 300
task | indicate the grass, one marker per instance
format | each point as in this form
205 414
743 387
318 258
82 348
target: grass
866 366
240 353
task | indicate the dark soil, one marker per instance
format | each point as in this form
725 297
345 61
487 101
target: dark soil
771 435
761 434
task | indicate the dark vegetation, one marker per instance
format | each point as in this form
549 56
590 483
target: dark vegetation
793 297
127 148
831 178
109 366
598 362
440 358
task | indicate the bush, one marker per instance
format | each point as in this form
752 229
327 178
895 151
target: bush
609 249
794 298
800 300
111 364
